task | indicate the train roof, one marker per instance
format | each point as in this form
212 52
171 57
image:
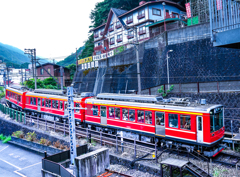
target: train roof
50 91
178 104
18 87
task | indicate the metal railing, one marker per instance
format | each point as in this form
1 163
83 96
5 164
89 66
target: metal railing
14 114
224 15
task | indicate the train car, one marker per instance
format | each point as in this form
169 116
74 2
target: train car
15 97
173 122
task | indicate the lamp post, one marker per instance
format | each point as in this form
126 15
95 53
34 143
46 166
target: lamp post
168 67
164 15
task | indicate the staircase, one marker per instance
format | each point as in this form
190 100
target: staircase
195 170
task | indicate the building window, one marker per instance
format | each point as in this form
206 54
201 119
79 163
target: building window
112 41
173 120
156 12
49 70
119 38
118 25
101 32
41 71
96 35
110 28
142 30
129 19
130 35
141 14
99 44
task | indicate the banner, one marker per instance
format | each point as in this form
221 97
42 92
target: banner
188 9
103 56
85 60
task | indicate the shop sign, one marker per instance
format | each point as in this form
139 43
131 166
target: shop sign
85 60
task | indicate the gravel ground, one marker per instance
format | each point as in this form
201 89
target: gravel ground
216 170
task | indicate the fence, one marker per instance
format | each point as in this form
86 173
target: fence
51 163
224 15
14 114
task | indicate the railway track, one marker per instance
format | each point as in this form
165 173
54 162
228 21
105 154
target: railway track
112 173
109 139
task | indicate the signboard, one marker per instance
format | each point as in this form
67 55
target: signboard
92 64
85 60
89 65
103 56
96 64
188 9
71 120
119 50
219 4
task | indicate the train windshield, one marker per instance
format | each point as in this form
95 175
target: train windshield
216 119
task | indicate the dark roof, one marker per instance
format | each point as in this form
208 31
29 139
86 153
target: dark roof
118 12
38 66
152 2
98 27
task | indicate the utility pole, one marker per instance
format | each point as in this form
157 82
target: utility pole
76 60
61 72
25 75
32 53
8 76
138 63
22 74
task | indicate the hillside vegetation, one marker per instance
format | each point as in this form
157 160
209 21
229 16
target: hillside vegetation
71 59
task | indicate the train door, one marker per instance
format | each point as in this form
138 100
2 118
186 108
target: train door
39 104
199 129
160 123
103 112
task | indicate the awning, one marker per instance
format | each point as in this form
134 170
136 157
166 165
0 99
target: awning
166 20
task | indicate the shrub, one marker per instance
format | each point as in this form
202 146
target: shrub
62 147
56 144
1 136
18 134
48 143
42 141
31 136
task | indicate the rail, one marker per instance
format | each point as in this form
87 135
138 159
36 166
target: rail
14 114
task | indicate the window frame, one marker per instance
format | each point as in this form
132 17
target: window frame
177 121
164 117
127 114
94 109
112 117
186 121
129 20
112 40
145 116
157 14
141 115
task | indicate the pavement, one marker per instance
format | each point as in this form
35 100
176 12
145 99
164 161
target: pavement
17 162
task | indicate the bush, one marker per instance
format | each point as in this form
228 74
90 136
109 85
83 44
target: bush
18 134
2 137
7 139
31 136
48 143
57 144
42 141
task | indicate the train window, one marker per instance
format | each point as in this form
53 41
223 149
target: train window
53 104
200 123
39 102
117 113
61 105
42 101
95 110
160 118
185 122
148 117
77 106
57 104
49 105
111 112
132 115
46 103
103 111
173 120
141 116
124 114
31 101
34 101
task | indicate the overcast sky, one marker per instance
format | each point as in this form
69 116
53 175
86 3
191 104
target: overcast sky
54 27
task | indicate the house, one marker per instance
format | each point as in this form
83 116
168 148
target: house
54 70
124 27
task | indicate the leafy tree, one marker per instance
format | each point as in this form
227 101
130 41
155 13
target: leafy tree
72 69
49 81
31 83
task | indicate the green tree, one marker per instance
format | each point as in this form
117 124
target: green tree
31 83
49 81
72 69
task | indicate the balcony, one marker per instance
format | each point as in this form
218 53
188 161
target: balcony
110 29
119 40
101 33
142 32
112 42
130 36
118 26
95 35
129 21
98 48
141 16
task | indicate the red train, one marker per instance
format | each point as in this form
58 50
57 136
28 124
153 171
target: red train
173 122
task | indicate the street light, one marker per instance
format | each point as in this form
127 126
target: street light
168 67
164 15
